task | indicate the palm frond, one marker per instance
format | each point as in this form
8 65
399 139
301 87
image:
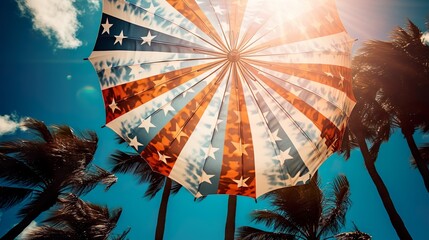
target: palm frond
17 172
356 235
39 128
79 216
11 196
50 233
133 163
424 152
175 188
122 236
275 220
250 233
91 178
337 206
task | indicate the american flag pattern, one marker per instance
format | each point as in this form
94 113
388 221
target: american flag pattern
236 97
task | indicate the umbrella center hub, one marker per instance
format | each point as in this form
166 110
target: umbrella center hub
233 55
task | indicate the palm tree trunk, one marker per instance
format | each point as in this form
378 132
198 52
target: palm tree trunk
421 165
230 218
394 217
46 203
162 213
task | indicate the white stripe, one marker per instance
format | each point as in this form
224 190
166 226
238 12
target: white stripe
266 168
297 129
117 59
292 83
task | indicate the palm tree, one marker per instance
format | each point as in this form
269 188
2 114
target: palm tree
133 163
76 219
400 70
302 212
42 169
355 235
230 217
370 121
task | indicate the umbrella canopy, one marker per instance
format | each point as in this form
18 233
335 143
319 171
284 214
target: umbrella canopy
236 97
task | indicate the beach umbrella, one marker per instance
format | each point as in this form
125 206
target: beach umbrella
237 97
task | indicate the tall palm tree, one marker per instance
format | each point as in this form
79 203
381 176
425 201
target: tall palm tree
370 121
40 170
302 212
76 219
230 217
133 163
400 70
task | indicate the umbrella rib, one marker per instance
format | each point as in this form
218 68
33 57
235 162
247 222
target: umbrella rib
196 35
202 100
240 125
214 34
287 114
273 142
334 104
218 114
220 25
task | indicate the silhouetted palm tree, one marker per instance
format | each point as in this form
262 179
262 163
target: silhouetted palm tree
41 169
302 212
133 163
76 219
356 234
400 71
370 123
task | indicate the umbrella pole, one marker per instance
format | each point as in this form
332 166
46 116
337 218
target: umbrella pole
230 218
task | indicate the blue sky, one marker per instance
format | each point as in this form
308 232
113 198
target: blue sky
44 76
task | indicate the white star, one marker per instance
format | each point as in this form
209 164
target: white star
341 83
276 135
114 106
198 195
241 182
329 18
217 124
135 143
146 124
240 148
329 74
163 157
284 155
167 107
106 26
206 178
211 152
151 10
107 73
119 38
178 133
190 90
148 39
218 10
135 70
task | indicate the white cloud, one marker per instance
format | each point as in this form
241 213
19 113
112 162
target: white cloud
10 123
56 19
27 230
